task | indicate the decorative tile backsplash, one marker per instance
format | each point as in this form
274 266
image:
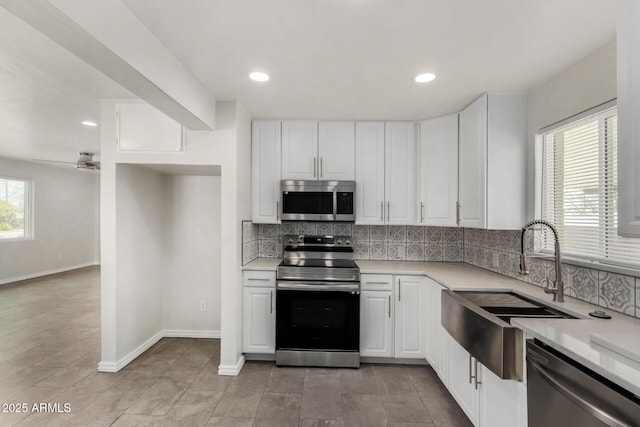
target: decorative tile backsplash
249 241
370 242
495 250
499 251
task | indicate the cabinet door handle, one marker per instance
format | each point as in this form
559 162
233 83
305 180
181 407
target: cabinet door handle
470 374
421 213
382 211
270 302
458 213
314 166
277 210
320 167
476 374
389 306
388 211
399 289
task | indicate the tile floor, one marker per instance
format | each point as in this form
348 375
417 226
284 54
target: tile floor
49 350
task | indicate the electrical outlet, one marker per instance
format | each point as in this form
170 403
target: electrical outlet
401 254
203 305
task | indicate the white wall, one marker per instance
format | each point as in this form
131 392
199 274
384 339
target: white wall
141 216
581 86
65 203
192 256
219 147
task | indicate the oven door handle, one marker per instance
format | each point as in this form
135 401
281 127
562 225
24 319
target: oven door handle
320 286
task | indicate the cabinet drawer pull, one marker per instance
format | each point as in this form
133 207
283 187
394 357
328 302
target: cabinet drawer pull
258 279
376 283
476 374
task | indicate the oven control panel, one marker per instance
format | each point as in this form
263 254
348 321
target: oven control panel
302 241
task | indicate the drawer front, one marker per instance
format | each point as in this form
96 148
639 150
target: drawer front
376 282
258 278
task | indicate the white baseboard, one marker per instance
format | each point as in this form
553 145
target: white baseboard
47 272
115 367
165 333
231 369
186 333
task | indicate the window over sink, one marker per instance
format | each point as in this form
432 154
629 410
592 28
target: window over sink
577 188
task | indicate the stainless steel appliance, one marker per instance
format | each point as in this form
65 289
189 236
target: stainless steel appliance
318 303
318 200
561 392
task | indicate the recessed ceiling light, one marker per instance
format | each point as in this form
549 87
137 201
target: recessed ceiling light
89 123
425 78
258 76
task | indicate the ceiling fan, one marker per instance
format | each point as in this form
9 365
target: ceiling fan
85 161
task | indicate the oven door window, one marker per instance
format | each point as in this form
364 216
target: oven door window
312 320
307 202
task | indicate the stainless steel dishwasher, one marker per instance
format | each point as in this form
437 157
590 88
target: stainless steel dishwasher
561 393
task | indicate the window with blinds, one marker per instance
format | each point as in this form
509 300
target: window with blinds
576 179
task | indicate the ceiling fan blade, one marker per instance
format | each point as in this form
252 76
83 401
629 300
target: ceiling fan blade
53 161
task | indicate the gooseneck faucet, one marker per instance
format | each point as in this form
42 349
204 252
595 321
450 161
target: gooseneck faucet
557 288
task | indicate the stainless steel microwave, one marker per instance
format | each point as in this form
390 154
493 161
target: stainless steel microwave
318 200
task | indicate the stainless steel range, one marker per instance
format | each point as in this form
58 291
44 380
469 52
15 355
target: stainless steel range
318 303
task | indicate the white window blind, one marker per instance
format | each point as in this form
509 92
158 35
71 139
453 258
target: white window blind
576 176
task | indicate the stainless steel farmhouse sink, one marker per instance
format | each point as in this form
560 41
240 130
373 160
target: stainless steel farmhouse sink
479 322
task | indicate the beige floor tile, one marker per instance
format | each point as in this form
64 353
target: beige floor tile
50 347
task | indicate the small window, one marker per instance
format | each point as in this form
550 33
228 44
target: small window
577 189
15 209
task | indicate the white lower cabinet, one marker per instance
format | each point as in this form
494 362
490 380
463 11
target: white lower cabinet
485 398
461 384
259 312
434 332
376 324
391 316
409 328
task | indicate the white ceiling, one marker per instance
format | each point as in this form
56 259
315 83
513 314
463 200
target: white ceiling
328 59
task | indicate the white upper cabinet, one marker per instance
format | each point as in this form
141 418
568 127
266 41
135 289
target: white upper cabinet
492 162
265 168
369 172
438 181
400 173
300 150
143 128
336 151
323 151
628 45
472 193
386 173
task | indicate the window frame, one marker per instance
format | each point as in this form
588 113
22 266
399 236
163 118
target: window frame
29 204
601 263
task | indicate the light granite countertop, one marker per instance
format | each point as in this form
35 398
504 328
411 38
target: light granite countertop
569 336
